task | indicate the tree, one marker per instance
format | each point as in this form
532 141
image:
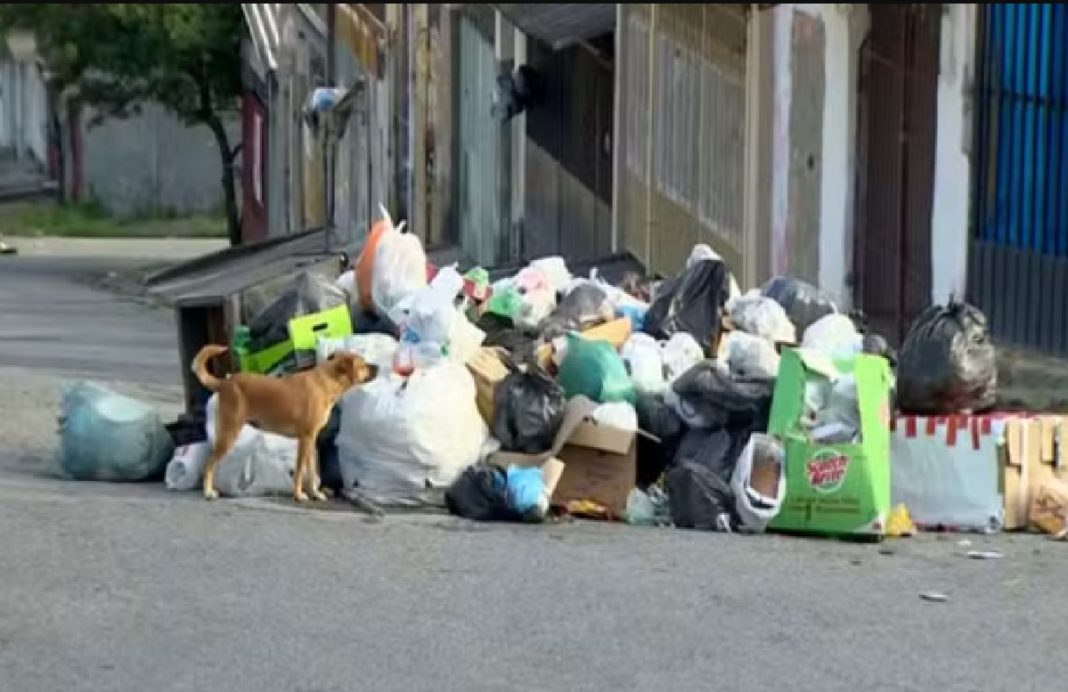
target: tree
116 57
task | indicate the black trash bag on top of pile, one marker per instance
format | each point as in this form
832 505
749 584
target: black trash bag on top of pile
947 364
481 493
804 303
500 331
587 305
528 408
710 397
699 481
658 418
692 302
307 294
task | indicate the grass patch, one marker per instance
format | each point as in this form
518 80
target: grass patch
90 221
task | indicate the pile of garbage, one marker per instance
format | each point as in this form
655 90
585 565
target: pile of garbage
677 402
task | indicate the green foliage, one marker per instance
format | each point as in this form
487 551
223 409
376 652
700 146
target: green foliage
185 56
114 57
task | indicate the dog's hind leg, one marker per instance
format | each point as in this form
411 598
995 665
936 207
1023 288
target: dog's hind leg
228 423
224 442
315 483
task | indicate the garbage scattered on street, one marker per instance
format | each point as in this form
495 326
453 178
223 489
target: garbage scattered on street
934 597
657 402
984 555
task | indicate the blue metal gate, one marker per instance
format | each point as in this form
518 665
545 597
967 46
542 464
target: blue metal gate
1018 264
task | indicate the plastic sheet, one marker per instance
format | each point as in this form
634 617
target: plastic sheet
105 436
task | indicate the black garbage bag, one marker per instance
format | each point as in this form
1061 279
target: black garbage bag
500 331
699 481
722 400
480 493
659 419
947 364
326 447
528 408
587 305
692 302
804 303
308 293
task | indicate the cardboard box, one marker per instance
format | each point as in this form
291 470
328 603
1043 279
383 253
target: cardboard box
587 461
834 489
1033 454
488 369
1049 508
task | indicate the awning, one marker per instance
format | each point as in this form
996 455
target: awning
562 25
263 26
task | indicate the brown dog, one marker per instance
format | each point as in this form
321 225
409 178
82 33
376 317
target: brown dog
297 406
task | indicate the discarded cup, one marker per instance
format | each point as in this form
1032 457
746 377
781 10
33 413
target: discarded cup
934 597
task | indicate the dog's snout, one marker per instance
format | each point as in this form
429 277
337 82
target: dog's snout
372 371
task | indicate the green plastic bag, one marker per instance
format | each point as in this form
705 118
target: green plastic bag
505 303
595 370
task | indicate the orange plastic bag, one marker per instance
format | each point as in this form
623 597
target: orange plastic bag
365 264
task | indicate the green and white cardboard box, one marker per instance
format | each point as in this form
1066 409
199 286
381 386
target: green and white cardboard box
834 489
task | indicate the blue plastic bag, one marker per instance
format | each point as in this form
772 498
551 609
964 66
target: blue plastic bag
525 491
105 436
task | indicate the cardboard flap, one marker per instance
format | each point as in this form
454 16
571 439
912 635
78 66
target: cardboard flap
605 438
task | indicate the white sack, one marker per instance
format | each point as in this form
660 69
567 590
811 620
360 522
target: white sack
397 436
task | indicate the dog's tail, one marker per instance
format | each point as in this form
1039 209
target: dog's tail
200 366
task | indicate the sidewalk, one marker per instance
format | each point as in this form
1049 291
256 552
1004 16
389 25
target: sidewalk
169 249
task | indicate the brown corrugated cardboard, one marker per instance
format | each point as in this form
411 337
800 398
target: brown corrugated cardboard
488 369
1034 454
597 475
1049 508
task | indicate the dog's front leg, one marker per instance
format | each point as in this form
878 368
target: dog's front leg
303 453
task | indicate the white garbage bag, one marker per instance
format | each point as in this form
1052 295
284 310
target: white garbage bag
105 436
260 464
645 363
538 297
750 356
763 317
759 482
399 270
398 436
835 336
555 270
681 352
433 317
185 471
376 349
347 283
617 414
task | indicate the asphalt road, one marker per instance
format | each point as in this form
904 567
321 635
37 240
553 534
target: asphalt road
119 587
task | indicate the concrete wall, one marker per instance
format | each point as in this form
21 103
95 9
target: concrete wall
952 199
843 28
152 163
